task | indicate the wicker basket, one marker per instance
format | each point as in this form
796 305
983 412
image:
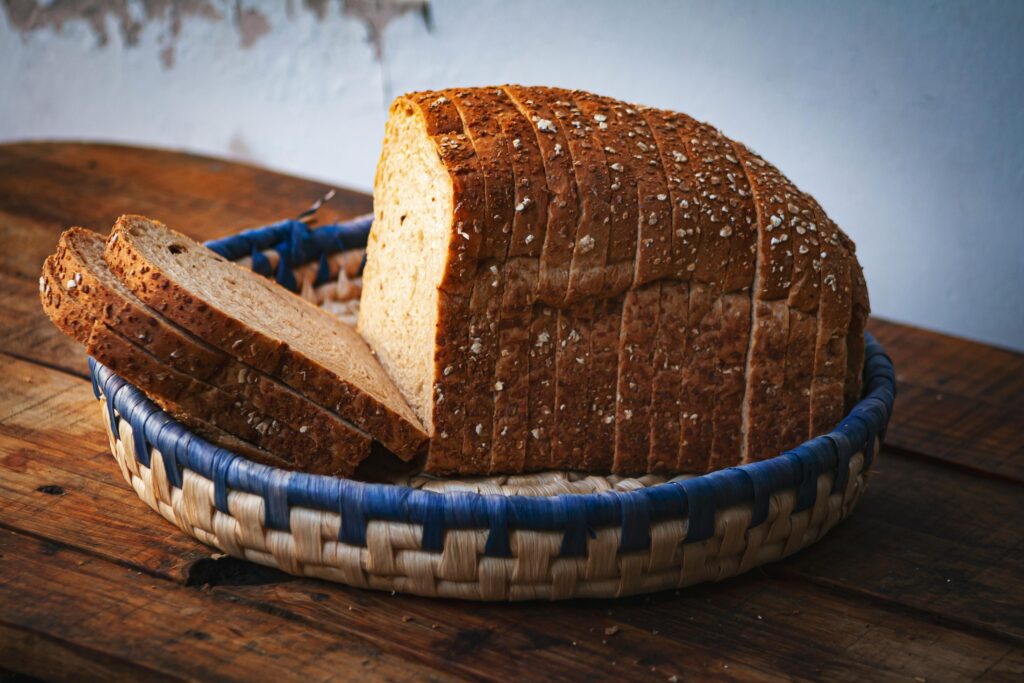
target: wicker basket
550 536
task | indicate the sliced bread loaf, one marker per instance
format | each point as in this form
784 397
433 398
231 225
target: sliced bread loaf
79 257
187 399
265 326
694 319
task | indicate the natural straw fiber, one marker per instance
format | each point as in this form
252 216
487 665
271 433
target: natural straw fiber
552 535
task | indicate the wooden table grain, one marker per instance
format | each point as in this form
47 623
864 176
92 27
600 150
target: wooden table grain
924 582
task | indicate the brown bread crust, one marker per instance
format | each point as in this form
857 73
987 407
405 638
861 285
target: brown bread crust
563 202
604 351
79 256
371 402
477 108
183 395
575 414
672 440
830 349
804 216
564 208
704 253
636 370
653 264
731 224
543 347
609 127
860 309
670 349
529 224
766 360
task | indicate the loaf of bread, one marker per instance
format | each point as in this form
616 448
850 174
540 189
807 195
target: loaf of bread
264 326
559 279
183 374
180 351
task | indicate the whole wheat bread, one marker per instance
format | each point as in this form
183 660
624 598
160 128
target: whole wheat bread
688 305
114 310
263 325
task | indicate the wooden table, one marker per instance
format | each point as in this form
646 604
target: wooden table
924 582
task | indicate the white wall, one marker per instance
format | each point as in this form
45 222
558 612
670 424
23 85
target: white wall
905 119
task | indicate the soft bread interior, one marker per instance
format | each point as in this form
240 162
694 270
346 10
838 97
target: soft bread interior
413 202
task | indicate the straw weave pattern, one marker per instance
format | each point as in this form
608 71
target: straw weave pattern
393 558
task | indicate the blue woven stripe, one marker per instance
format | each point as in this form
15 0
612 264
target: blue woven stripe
296 244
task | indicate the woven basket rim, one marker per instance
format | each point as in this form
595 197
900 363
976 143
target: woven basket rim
695 498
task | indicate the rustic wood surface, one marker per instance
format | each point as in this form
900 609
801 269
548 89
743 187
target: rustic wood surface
924 582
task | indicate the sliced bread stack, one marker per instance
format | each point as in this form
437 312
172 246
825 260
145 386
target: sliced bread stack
561 280
242 361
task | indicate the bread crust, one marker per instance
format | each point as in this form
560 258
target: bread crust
519 406
860 308
362 393
80 256
181 394
574 389
672 441
477 108
805 294
766 361
834 316
564 207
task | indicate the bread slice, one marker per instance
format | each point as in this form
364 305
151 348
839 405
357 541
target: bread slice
671 397
574 390
547 445
609 130
732 220
834 317
805 293
260 323
564 206
79 256
513 417
701 253
766 357
476 108
413 310
176 392
855 343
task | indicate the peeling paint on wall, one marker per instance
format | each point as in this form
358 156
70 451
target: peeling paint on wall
27 16
131 16
377 14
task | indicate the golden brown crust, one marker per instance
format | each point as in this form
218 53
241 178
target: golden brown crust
106 301
575 391
70 310
477 108
141 251
766 362
834 315
529 225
